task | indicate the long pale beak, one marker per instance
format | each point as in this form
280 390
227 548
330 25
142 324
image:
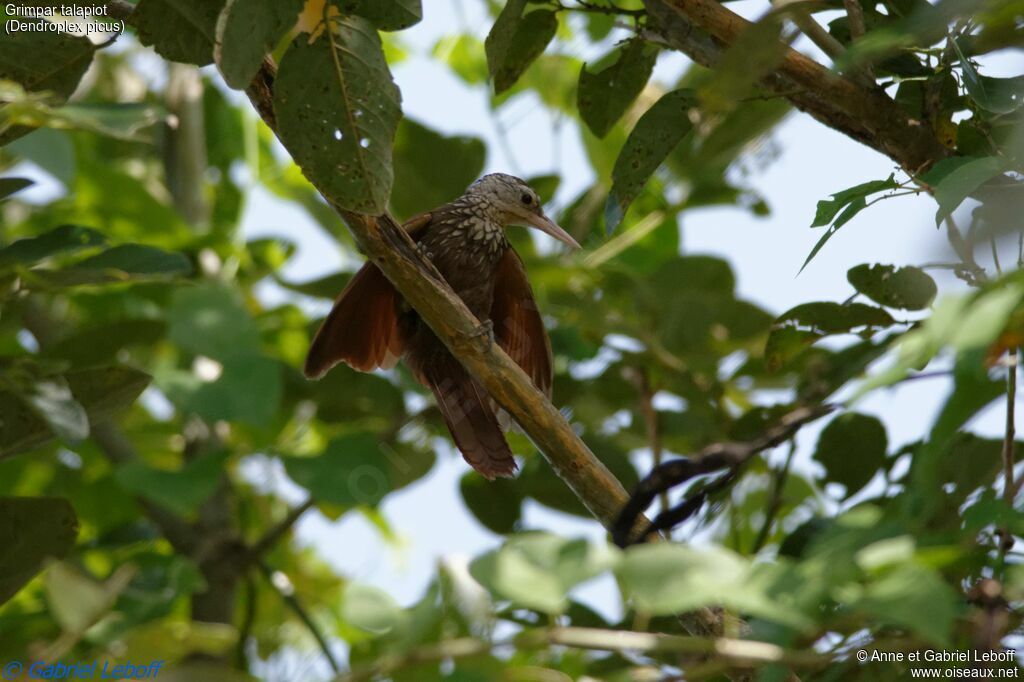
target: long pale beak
548 226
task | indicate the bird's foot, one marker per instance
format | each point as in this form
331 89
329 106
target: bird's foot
486 332
423 250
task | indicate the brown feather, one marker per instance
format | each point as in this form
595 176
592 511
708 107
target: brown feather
518 326
466 409
362 328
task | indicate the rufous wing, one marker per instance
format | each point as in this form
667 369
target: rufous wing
362 328
518 327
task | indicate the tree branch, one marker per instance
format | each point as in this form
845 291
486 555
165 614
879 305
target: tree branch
735 653
274 535
866 114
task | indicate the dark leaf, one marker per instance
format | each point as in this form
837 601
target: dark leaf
138 260
52 401
495 504
832 318
852 448
603 97
32 530
387 15
908 287
64 239
9 186
516 40
246 31
431 169
180 491
829 208
998 95
180 30
338 109
653 138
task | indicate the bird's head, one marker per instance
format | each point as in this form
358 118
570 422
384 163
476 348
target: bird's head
517 204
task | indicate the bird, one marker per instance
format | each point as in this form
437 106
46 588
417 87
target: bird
372 327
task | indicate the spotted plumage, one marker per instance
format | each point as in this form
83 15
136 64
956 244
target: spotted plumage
371 325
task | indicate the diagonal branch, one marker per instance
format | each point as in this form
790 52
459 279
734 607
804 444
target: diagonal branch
703 29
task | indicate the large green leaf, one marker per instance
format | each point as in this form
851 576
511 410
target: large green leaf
100 390
41 61
653 138
833 318
998 95
370 608
537 570
852 448
63 239
180 30
421 182
356 469
211 320
181 491
246 31
137 260
337 110
603 97
495 504
908 288
248 389
914 597
515 40
52 401
387 15
957 178
32 529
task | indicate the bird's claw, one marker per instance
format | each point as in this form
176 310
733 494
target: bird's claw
486 332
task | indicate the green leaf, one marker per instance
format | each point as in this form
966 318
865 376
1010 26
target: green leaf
32 529
653 138
247 390
916 598
76 600
908 288
356 469
52 401
370 608
246 31
537 570
603 97
210 319
138 260
998 95
49 149
956 179
179 30
63 239
786 343
985 319
42 61
421 183
181 491
666 579
9 186
119 121
464 54
495 504
516 40
387 15
832 318
337 110
102 391
829 208
328 286
852 448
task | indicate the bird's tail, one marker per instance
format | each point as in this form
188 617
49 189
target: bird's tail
466 408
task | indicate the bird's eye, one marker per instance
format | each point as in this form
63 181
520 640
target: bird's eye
526 199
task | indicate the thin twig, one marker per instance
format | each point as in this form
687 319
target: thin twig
280 583
274 535
1009 436
651 425
775 499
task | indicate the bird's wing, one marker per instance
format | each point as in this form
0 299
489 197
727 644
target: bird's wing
518 327
362 328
